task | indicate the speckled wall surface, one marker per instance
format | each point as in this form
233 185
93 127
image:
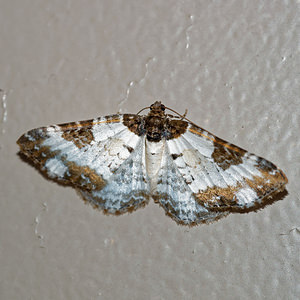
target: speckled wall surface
233 64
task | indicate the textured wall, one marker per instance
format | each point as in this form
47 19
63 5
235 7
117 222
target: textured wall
235 66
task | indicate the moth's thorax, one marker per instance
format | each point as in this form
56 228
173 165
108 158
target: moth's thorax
155 122
155 127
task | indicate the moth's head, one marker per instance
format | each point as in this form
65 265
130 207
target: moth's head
157 108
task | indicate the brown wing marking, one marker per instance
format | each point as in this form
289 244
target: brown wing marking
31 148
225 154
268 190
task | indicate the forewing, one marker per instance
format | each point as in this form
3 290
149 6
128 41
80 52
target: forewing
222 176
176 197
84 154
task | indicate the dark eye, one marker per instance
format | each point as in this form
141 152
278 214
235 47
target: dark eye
163 107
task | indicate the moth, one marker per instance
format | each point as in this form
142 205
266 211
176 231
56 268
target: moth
119 162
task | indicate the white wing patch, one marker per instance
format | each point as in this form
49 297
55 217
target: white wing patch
56 168
245 196
197 170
